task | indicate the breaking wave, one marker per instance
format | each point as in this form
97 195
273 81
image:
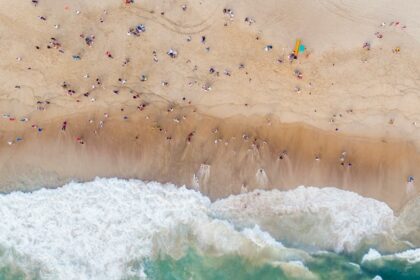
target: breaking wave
129 229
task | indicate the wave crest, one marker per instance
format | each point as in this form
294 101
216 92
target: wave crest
326 218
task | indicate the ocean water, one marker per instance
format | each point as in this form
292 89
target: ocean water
129 229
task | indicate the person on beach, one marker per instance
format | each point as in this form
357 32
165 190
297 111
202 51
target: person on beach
410 179
64 126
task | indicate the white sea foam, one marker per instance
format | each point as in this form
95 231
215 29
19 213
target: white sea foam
94 230
411 256
326 218
371 255
88 231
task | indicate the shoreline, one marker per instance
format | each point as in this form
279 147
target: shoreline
221 157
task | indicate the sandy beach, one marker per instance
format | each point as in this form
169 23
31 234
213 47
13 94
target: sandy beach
204 94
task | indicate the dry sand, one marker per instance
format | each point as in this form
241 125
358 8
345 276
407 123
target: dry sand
233 137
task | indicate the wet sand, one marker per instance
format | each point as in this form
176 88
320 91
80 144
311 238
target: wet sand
216 156
226 114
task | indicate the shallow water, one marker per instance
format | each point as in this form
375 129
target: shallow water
119 229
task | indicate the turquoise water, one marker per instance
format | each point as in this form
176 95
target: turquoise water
195 266
322 266
394 269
